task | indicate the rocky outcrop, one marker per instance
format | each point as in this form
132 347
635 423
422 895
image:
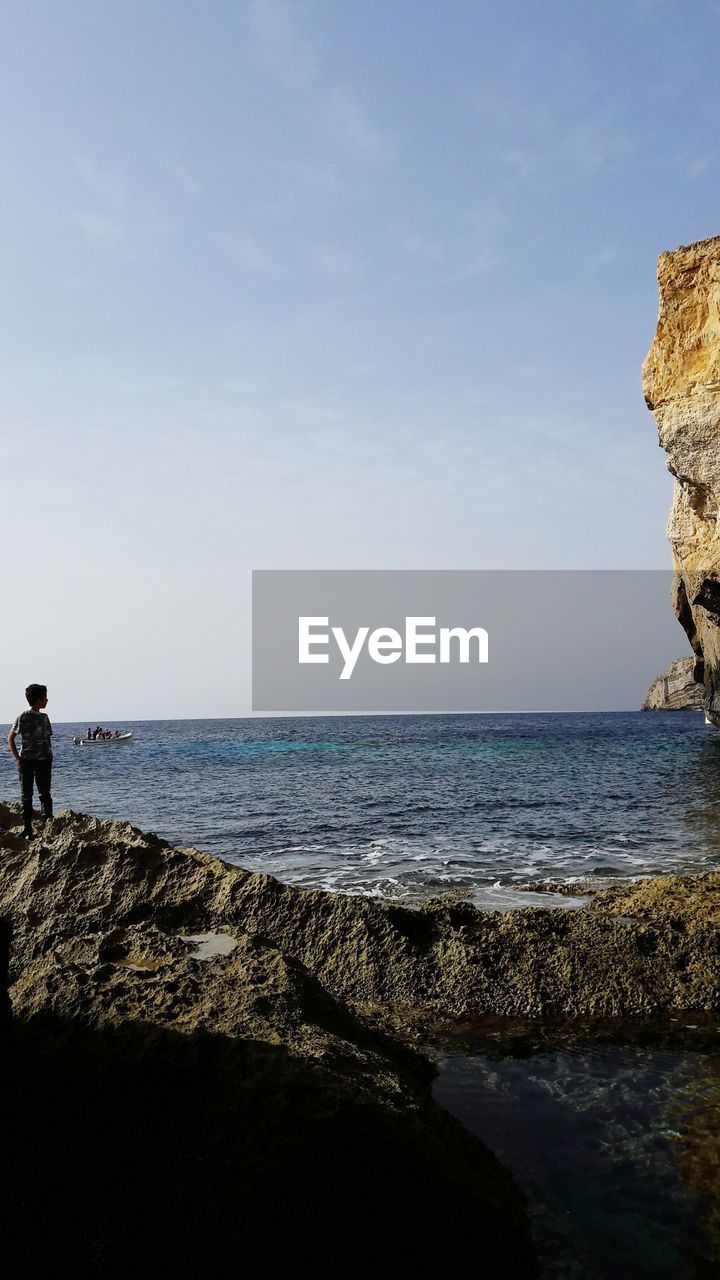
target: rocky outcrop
681 383
676 690
180 1090
204 1051
100 912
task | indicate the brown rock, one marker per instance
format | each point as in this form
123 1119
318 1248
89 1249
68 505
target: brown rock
681 383
677 689
189 1107
179 1103
96 897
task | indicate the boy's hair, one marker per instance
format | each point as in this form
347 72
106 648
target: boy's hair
35 692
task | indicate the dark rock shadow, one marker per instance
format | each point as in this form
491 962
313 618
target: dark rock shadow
134 1147
138 1143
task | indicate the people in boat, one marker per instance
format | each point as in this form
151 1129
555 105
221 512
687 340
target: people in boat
104 734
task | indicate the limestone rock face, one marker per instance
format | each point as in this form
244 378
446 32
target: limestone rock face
677 689
681 384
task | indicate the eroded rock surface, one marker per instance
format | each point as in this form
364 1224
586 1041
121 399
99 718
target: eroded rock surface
178 1102
101 900
280 1070
676 690
681 383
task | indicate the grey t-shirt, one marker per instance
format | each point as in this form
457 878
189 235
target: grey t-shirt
36 731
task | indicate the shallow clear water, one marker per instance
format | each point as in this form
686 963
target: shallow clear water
617 1149
406 806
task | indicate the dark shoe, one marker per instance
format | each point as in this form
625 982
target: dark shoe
28 833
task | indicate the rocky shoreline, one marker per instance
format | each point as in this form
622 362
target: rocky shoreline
277 1055
676 689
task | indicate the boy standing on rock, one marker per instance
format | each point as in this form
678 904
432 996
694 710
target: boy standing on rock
35 759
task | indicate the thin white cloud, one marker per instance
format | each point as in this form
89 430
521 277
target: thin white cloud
446 262
247 253
184 179
142 388
108 186
239 386
476 262
285 51
533 144
281 47
699 165
105 224
423 247
589 146
690 162
330 259
603 257
348 119
508 111
101 229
559 158
317 179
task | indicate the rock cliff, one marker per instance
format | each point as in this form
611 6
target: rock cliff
681 384
676 690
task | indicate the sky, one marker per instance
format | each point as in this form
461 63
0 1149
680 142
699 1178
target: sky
309 284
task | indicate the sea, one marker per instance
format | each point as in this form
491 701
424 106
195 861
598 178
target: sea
410 807
612 1134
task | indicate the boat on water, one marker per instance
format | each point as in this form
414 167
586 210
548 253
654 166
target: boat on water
103 742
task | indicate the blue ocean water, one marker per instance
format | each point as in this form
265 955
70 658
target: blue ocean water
410 806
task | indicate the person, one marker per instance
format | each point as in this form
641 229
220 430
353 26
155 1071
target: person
35 758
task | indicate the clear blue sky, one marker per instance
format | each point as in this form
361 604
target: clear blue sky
324 285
